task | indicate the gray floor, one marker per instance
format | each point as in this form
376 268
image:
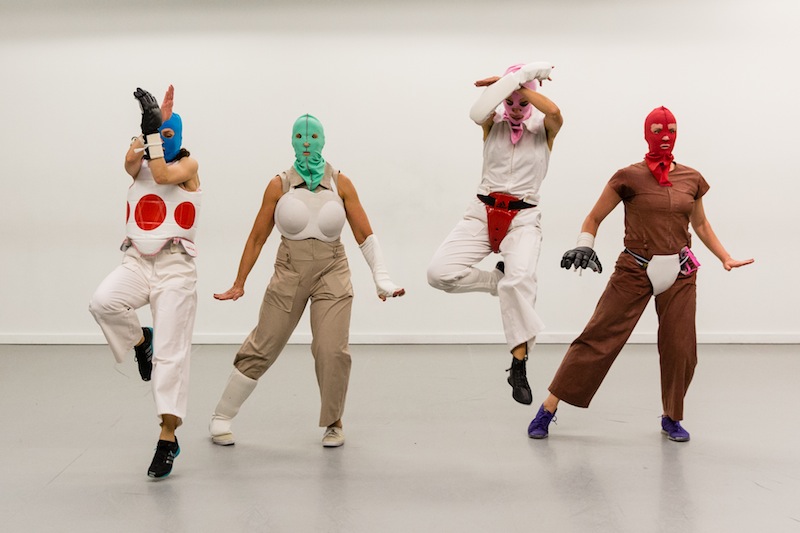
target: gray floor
434 443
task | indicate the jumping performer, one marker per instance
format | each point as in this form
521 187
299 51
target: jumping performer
308 204
504 217
157 269
661 198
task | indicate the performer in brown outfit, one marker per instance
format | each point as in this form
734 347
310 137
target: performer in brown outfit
661 198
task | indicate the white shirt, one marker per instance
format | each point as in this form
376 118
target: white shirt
515 169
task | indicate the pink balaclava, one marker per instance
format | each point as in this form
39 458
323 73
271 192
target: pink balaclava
515 97
659 159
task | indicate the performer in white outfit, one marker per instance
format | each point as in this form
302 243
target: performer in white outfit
309 204
157 269
504 216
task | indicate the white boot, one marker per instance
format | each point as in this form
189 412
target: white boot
236 392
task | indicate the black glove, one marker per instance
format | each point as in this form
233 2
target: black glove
582 257
151 113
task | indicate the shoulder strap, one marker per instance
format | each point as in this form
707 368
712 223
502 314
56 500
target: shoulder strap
285 181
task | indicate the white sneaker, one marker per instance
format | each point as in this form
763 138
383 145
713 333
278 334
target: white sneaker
333 437
220 429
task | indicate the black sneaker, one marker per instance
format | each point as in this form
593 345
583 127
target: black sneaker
144 354
518 380
166 452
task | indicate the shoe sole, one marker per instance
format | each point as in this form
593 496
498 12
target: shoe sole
675 439
524 401
332 444
223 440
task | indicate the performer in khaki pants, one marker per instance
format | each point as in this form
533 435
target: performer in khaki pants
309 204
661 198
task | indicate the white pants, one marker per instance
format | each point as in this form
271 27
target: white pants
452 270
167 282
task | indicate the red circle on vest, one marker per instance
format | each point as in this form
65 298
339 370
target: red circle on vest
184 215
150 212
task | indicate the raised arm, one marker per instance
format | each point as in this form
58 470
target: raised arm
703 230
134 156
184 171
262 227
497 89
552 114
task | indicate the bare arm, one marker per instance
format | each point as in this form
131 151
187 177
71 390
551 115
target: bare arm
262 227
487 124
703 229
583 255
605 204
133 158
356 216
552 114
182 172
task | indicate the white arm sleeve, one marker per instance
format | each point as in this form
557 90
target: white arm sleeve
499 90
374 256
492 96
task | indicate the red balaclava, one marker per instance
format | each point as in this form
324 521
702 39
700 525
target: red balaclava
659 159
516 96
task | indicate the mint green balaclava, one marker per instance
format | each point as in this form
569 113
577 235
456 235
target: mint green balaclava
307 129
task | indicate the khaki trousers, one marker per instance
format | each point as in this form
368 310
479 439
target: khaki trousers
590 356
306 270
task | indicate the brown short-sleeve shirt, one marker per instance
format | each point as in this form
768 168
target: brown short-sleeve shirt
657 218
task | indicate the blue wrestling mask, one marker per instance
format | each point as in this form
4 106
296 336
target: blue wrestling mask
172 145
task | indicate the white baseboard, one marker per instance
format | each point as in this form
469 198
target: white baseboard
375 338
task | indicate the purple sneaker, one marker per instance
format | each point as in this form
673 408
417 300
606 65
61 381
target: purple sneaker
538 426
673 430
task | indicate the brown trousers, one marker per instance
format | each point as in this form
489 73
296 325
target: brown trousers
628 291
315 270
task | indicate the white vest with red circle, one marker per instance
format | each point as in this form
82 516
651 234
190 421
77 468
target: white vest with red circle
159 214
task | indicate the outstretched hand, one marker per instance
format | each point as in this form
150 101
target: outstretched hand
730 263
234 293
485 82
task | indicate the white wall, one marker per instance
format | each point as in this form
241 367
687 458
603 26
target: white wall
392 83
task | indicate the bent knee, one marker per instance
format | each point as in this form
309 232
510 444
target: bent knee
100 305
442 279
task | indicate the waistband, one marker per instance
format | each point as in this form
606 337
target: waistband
513 205
643 262
312 249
